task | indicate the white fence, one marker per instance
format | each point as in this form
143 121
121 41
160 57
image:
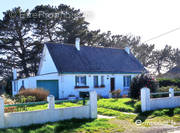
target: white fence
51 114
148 103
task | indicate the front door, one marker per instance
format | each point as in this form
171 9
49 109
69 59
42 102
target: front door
112 84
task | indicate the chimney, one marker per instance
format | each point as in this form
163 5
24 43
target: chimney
14 74
127 49
77 44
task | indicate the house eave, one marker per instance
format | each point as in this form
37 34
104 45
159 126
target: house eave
100 72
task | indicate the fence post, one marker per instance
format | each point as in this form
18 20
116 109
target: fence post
171 92
1 112
145 99
93 104
51 102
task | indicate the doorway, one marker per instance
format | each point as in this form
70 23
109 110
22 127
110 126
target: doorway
112 84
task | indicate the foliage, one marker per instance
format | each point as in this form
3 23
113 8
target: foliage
162 59
10 109
38 93
19 48
23 99
168 82
7 99
166 89
116 93
121 104
140 81
31 107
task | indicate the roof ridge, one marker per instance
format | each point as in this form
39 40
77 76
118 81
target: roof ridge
92 46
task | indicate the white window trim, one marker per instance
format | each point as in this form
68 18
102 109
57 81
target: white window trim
125 77
81 84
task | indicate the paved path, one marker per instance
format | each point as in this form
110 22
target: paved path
107 117
177 131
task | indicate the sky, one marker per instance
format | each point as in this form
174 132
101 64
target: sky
145 18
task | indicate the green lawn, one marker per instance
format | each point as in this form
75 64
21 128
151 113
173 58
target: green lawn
117 107
44 106
69 126
121 104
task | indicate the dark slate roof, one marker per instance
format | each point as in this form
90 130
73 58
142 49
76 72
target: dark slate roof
92 59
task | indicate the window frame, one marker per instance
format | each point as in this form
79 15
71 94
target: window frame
97 81
102 81
79 81
127 81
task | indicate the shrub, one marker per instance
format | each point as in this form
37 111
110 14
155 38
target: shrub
39 94
177 111
168 82
23 99
7 99
166 89
140 81
9 109
116 93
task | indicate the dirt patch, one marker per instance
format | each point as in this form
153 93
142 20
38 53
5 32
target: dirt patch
131 127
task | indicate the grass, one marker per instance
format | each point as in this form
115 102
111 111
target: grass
73 125
163 114
45 106
122 104
117 107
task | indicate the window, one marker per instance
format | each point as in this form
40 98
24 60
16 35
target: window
15 86
102 80
95 81
22 82
80 80
127 81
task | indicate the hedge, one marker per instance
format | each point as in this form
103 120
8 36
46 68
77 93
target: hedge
168 82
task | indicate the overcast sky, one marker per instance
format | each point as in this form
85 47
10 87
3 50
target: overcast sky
145 18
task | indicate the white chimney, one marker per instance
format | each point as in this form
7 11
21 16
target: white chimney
14 74
127 49
77 44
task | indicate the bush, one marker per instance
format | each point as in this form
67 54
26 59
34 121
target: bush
23 99
7 99
141 81
166 89
116 93
39 94
9 109
168 82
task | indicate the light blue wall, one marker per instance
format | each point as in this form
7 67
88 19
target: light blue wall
67 83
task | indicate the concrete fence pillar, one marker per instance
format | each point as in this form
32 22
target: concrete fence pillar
171 92
1 112
51 102
145 99
93 104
